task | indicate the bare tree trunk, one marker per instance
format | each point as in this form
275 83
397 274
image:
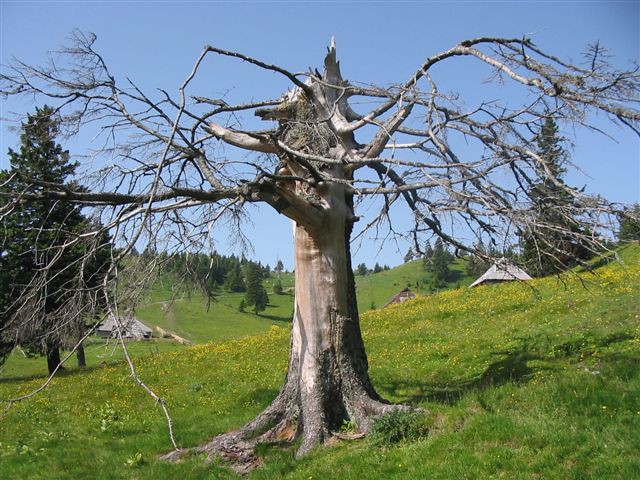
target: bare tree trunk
327 350
327 380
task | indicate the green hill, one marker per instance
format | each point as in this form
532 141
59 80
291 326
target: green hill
375 290
190 317
536 380
187 314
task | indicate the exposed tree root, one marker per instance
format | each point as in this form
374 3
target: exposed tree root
320 392
282 423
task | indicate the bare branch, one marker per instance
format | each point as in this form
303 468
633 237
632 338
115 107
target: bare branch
244 140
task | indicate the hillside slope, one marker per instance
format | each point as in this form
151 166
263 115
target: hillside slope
537 380
189 315
375 290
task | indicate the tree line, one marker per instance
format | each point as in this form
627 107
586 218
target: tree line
363 270
214 272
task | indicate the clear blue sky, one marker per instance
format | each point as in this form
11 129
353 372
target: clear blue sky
156 43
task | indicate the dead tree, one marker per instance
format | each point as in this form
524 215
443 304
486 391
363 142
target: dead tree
315 160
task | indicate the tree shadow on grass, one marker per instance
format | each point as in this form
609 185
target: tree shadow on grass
259 396
66 372
276 318
512 367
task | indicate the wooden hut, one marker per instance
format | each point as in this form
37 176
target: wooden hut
400 297
501 271
132 328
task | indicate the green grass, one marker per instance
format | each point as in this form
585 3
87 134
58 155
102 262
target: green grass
375 290
527 381
98 353
189 316
186 313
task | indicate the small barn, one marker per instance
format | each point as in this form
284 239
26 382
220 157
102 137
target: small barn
132 328
501 271
402 296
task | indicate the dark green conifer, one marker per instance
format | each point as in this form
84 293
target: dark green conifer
61 282
256 295
550 244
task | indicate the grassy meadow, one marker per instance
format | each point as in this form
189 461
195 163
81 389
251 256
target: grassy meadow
189 316
521 380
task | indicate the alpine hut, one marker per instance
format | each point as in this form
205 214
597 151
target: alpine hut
501 271
400 297
132 328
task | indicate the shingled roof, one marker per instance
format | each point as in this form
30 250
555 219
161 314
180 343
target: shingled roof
501 271
400 297
132 328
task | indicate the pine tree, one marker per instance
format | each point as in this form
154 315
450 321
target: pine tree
544 250
234 281
428 252
409 256
476 266
256 295
361 270
31 247
436 262
629 221
279 267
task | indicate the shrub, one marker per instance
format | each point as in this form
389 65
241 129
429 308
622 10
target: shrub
398 426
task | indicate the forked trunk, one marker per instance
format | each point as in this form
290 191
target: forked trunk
327 382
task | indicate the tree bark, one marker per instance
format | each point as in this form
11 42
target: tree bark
327 381
53 359
82 361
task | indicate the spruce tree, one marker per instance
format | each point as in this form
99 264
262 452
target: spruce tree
436 262
31 248
408 256
629 220
279 267
547 247
256 295
234 281
361 270
476 266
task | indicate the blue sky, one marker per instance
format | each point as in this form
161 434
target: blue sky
157 42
